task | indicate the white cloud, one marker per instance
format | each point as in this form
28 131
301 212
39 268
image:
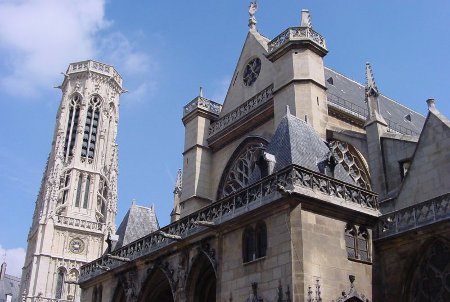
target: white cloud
39 38
14 260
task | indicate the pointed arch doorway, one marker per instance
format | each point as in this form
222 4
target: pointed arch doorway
201 281
156 288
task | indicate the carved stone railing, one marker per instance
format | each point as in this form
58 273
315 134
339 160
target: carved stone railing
263 192
80 223
202 103
347 106
296 34
97 67
242 111
422 214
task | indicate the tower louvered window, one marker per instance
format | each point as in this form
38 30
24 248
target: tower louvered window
72 124
86 191
91 127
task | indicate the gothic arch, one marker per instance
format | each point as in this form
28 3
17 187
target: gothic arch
240 166
157 287
353 162
430 279
201 281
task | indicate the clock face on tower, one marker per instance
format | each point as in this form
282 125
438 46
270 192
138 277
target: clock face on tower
76 245
251 71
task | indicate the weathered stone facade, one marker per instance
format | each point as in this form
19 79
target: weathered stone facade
302 186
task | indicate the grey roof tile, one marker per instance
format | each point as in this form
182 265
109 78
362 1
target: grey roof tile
296 142
138 222
351 94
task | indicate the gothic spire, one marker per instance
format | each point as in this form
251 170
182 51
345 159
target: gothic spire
178 182
372 94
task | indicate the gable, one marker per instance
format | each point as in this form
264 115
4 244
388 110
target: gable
428 174
255 46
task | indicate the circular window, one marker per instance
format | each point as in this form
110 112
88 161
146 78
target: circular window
76 245
251 71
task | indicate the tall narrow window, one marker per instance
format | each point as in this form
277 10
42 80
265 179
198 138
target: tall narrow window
350 241
102 195
363 244
64 186
248 245
78 196
261 240
60 283
86 192
72 124
91 127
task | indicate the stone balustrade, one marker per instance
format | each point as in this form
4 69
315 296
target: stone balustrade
242 111
80 223
202 103
101 68
422 214
263 192
296 34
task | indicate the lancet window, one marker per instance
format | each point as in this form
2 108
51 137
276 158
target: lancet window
60 283
72 124
91 127
64 187
352 161
254 242
86 192
78 194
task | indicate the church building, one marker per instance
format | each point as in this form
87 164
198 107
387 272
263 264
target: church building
304 185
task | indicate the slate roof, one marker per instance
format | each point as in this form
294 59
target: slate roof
296 142
350 95
137 223
9 285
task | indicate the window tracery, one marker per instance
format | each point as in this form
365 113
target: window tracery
240 168
352 161
72 124
357 242
102 197
91 127
64 187
431 280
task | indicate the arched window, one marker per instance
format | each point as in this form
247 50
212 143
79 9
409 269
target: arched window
254 242
72 124
248 245
242 164
261 239
357 242
363 244
352 161
91 127
350 241
60 283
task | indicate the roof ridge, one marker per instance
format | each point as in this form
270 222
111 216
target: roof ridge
381 94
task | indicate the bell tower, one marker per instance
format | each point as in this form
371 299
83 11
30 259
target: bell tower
77 202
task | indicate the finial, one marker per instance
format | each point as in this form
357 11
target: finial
133 202
371 86
201 91
431 104
305 19
252 8
288 111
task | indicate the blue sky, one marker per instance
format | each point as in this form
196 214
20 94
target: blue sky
165 50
